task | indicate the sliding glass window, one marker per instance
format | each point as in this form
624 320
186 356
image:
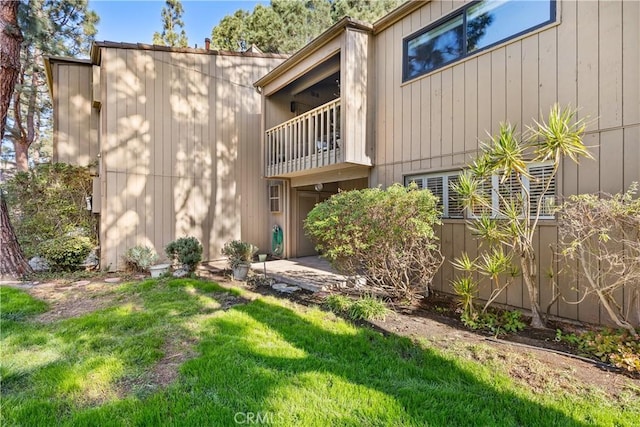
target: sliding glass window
477 26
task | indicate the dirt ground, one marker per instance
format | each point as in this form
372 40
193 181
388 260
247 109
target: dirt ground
531 357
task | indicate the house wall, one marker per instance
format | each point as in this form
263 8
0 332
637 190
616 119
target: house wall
180 146
75 138
589 58
356 88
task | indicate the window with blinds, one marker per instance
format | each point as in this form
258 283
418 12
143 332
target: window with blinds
486 191
440 186
541 174
502 192
510 195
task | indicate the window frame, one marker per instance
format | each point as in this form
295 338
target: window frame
553 14
495 191
445 189
275 200
495 188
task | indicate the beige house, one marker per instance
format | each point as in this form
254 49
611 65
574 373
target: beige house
175 138
403 99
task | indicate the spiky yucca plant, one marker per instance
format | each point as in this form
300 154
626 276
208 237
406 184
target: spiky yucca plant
511 224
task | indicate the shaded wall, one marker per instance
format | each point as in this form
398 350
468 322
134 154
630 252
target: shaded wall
180 145
76 123
589 58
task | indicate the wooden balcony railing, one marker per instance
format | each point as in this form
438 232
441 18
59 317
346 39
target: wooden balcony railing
310 140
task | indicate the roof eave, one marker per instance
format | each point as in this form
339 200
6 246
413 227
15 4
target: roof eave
49 59
98 45
397 14
332 32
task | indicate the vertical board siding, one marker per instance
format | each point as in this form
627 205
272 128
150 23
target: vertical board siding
469 126
76 121
588 59
610 65
630 62
181 151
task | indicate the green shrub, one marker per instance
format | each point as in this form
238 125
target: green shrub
466 289
386 236
186 251
139 258
67 252
47 201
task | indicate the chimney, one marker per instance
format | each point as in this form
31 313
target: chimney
207 43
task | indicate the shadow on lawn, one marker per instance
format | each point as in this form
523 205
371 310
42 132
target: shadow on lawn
264 359
422 387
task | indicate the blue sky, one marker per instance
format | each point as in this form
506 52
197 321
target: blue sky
136 21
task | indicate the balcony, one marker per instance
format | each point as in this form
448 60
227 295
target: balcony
309 141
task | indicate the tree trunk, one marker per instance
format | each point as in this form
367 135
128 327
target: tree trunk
22 155
27 135
12 261
536 314
10 39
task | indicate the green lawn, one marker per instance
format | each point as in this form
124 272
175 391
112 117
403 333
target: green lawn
259 362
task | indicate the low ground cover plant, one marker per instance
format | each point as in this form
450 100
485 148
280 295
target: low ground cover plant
615 346
386 236
366 307
496 322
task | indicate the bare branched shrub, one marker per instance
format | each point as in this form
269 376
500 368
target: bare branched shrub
385 236
602 233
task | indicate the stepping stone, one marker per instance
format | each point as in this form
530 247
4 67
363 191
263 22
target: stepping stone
181 272
283 287
81 283
112 280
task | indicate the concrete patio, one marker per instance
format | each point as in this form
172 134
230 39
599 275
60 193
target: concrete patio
311 273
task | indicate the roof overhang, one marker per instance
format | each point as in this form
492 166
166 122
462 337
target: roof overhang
96 49
331 33
397 14
50 60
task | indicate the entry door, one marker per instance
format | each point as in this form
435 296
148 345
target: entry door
306 202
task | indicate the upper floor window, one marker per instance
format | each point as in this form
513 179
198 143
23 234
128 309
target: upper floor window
474 27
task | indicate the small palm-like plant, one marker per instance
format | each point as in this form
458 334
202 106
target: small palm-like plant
466 289
512 222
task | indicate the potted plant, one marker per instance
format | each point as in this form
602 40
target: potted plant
239 255
140 259
186 253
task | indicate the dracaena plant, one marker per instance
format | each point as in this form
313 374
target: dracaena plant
507 218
